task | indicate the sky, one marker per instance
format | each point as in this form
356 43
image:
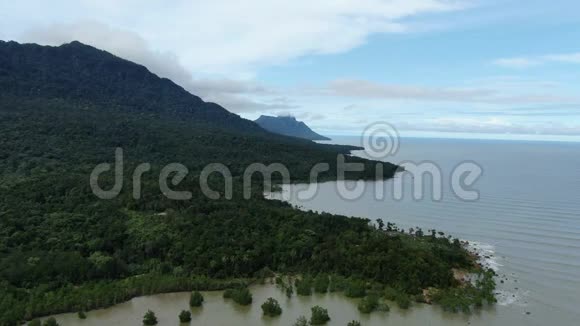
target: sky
493 69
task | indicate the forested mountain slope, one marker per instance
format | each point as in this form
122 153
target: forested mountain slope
84 74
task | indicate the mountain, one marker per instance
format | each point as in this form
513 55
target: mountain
83 74
289 126
85 102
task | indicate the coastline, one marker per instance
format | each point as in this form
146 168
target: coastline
167 284
124 290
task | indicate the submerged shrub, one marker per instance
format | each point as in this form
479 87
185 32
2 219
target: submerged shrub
196 299
149 319
301 321
304 286
321 283
271 307
355 289
241 296
185 316
368 304
319 316
50 322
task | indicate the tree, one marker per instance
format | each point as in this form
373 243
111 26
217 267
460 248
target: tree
368 304
35 322
241 296
271 307
403 301
304 285
289 291
401 298
380 223
355 289
319 316
337 283
50 322
149 318
301 321
185 316
321 283
196 299
104 264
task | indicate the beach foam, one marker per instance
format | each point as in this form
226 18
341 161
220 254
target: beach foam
486 253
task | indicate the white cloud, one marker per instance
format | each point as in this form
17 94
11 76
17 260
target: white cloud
567 58
196 43
514 83
121 42
230 93
372 90
226 37
191 40
239 96
368 89
516 62
495 125
262 32
531 61
300 116
244 104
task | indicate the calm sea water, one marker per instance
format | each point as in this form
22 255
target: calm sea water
527 222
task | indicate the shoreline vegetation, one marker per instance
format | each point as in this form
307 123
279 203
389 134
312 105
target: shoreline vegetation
473 289
64 250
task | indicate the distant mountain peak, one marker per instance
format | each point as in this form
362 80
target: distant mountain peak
290 117
289 126
76 43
